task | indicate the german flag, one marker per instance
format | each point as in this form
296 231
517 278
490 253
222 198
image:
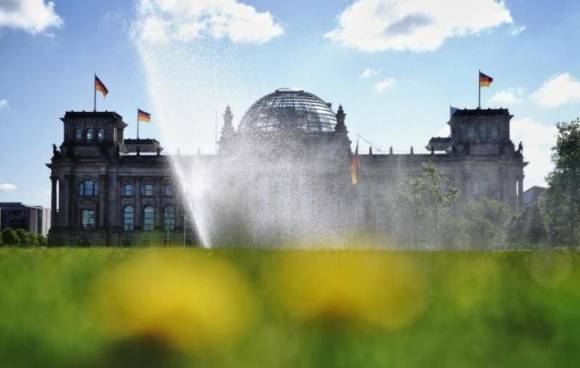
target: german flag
484 80
100 86
143 116
354 166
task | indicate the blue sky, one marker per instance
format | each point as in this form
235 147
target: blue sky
185 60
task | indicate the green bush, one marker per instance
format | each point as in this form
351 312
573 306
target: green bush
20 237
24 237
9 237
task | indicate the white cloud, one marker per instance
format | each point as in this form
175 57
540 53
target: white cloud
538 140
183 20
508 96
557 91
516 30
4 104
385 84
368 72
34 16
7 187
414 25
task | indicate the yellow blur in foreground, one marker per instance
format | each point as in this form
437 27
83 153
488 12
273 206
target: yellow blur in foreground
188 300
368 287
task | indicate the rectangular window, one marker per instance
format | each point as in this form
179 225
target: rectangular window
168 190
483 133
101 135
88 218
127 190
148 190
78 134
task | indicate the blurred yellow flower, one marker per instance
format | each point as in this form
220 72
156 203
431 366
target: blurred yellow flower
187 299
370 287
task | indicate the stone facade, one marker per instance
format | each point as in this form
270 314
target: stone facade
112 191
97 183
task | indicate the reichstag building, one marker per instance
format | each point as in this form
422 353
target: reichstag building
285 169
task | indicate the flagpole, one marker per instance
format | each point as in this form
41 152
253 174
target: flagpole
479 89
137 124
94 94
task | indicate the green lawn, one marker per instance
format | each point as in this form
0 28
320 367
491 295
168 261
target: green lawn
103 307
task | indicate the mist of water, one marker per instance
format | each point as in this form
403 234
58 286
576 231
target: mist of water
250 194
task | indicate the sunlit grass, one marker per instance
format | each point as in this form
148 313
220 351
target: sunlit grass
103 307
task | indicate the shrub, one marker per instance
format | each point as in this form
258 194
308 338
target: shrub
9 237
24 237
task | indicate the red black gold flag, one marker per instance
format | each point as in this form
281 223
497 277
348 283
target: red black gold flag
354 166
484 80
100 86
143 116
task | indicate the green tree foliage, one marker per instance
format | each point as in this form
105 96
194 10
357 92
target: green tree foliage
562 199
9 237
422 202
20 237
24 237
485 223
528 229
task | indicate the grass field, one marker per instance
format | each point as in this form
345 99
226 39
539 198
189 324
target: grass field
103 307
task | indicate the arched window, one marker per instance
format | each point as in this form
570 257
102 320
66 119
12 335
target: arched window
90 134
148 218
128 190
101 135
78 134
129 218
88 188
169 218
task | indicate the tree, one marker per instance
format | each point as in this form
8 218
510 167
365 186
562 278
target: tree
423 201
562 198
9 237
42 241
528 229
23 237
486 223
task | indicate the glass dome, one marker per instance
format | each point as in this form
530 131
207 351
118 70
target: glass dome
289 110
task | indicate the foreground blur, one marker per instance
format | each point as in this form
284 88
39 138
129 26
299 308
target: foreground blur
287 308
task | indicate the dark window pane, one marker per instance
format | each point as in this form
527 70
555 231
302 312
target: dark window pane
127 190
148 190
88 188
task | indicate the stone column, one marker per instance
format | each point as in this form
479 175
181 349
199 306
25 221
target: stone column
62 205
53 203
520 203
103 195
69 201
